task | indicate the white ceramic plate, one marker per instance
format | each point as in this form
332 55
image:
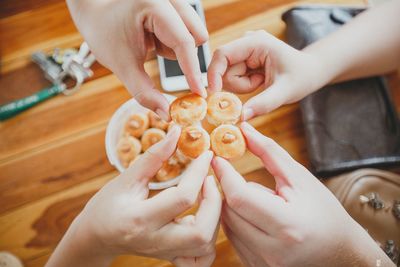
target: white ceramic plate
114 132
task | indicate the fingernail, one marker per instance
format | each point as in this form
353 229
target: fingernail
163 115
246 126
211 179
173 129
215 160
247 114
203 89
204 92
209 154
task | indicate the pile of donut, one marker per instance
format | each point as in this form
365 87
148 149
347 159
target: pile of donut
221 109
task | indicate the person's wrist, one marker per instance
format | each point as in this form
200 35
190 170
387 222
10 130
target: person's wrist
79 248
318 71
363 250
86 243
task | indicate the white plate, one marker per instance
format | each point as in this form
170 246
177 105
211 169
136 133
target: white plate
114 132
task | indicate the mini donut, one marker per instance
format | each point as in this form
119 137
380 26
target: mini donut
137 124
128 148
223 108
227 141
157 122
182 159
193 141
170 169
150 137
188 109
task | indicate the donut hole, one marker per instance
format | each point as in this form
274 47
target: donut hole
128 148
223 104
151 137
193 141
223 108
228 138
188 110
227 141
137 124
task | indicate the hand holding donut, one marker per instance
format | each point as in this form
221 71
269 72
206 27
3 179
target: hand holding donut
300 218
122 219
121 33
261 60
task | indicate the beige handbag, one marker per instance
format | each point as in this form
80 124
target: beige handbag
372 198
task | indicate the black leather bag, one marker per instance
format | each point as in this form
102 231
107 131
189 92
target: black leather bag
348 125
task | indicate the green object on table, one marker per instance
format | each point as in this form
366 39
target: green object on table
13 108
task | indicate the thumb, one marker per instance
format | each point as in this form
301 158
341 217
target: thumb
141 87
268 100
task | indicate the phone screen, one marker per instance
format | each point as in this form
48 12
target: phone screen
172 66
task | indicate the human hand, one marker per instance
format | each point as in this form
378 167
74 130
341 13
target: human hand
300 223
121 219
120 34
260 60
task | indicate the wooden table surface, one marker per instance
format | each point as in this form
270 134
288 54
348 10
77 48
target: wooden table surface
52 157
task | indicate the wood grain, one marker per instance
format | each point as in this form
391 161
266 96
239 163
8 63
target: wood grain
52 157
78 160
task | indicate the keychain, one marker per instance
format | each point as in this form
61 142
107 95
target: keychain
61 65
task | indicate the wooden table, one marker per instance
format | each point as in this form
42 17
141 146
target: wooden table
52 157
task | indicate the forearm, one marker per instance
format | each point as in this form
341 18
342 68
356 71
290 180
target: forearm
368 45
78 249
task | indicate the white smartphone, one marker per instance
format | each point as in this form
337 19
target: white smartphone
171 75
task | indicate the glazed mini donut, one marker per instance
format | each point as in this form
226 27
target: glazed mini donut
223 108
193 141
227 141
150 137
182 159
170 169
137 124
188 109
157 122
128 148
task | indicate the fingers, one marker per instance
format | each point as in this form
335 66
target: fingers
142 88
195 236
261 188
251 203
164 50
192 21
277 161
238 80
208 214
200 255
252 236
186 55
143 169
268 100
168 204
245 255
170 29
231 181
189 61
203 261
235 52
